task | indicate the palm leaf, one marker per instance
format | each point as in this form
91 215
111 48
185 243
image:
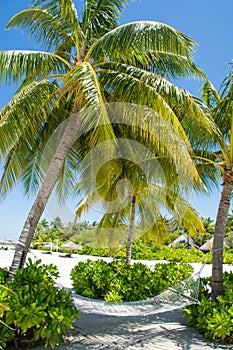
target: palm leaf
17 65
138 42
46 26
99 17
205 162
27 158
23 162
191 221
82 207
83 80
37 99
68 176
135 85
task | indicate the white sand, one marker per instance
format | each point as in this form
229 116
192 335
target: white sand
167 330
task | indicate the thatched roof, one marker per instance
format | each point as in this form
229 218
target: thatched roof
51 245
185 239
71 245
209 244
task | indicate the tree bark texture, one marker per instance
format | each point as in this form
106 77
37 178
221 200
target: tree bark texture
68 138
131 229
219 232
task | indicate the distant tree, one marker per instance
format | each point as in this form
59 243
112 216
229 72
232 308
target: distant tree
41 228
57 223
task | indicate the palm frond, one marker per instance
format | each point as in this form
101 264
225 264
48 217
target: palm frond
19 65
205 162
227 84
191 221
99 17
25 112
83 80
46 25
23 163
209 94
135 85
68 176
27 158
83 206
161 137
139 42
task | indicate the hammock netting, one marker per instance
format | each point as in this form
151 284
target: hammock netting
179 296
182 294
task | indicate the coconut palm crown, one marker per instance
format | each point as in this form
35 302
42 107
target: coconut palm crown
88 61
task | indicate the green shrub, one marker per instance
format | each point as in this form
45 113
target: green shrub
34 309
228 256
3 276
170 254
213 319
117 281
150 251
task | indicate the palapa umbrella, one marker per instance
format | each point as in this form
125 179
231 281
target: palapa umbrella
51 246
72 246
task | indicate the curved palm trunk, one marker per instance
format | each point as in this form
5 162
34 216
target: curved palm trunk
218 243
131 229
66 142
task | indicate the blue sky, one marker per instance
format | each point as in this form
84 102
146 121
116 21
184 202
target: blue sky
208 22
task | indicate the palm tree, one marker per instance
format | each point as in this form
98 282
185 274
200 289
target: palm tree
88 61
42 226
220 106
127 189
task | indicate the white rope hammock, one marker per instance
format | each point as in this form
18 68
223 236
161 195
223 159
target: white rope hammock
183 294
178 296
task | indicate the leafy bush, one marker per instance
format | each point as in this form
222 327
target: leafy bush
228 256
33 309
172 254
213 319
117 281
149 251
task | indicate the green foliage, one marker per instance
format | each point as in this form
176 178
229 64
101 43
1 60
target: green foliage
150 251
35 310
3 276
117 281
171 254
228 256
213 319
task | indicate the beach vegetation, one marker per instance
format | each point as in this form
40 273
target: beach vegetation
117 281
35 311
213 318
150 251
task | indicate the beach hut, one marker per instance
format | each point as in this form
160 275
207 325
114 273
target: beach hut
187 240
206 247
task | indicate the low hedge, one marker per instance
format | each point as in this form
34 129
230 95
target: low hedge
145 251
32 309
117 281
